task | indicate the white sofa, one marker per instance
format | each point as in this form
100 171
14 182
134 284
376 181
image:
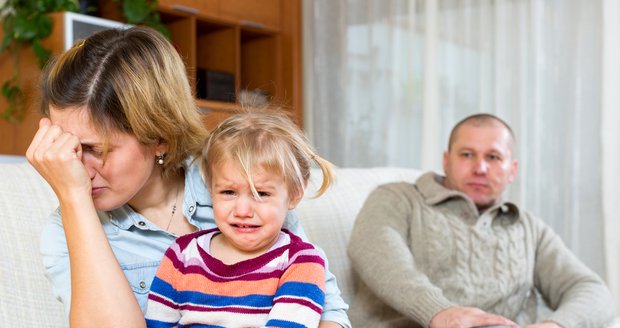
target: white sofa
26 200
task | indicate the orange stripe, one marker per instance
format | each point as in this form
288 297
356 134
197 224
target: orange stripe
313 273
199 283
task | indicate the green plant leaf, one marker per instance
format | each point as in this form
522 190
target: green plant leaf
6 41
26 21
136 11
42 54
15 98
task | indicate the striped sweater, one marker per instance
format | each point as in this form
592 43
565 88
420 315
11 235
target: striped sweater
284 287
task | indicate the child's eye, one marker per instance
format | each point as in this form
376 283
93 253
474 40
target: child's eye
262 194
227 192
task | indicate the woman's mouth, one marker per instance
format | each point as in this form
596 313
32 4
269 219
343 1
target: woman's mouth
96 191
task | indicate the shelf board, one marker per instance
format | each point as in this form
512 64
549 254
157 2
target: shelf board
217 106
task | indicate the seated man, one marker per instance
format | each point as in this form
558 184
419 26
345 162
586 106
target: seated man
448 252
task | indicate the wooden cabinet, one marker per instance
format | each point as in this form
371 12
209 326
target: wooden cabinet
15 137
257 42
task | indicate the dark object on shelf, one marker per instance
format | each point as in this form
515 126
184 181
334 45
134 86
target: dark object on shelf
89 7
215 85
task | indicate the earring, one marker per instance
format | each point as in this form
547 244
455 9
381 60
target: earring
160 159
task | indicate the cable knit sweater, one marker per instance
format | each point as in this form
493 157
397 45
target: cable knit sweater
422 248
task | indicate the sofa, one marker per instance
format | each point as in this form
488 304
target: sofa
26 200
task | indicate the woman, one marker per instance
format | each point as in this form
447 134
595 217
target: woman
116 143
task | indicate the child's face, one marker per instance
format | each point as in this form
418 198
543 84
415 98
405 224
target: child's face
248 224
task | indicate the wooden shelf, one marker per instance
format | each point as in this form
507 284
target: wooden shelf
218 106
250 39
257 41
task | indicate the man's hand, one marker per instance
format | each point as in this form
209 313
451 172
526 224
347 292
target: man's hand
466 317
547 324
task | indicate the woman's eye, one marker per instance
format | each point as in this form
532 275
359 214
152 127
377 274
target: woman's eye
94 151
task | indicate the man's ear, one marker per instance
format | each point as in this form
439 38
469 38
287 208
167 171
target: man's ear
445 161
513 170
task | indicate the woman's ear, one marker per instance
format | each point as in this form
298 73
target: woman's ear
161 148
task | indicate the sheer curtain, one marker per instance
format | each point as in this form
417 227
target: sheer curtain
385 81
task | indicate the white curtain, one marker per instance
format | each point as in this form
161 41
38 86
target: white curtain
385 81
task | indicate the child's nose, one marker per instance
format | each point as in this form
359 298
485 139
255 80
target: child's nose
244 208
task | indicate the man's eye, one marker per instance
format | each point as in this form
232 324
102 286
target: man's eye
466 155
494 158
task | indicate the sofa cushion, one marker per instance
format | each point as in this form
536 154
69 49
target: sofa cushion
328 220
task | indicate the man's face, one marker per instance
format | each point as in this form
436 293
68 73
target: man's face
479 163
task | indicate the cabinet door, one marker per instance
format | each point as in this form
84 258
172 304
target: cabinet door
258 13
212 119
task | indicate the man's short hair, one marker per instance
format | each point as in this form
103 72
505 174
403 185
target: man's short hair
480 119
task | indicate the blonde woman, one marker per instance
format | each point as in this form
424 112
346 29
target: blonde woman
116 144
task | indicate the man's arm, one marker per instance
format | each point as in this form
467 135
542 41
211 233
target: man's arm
459 316
380 255
578 296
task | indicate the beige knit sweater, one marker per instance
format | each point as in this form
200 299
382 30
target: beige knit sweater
422 248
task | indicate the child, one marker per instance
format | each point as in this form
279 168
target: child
248 272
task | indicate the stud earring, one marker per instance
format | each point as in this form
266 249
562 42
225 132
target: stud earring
160 159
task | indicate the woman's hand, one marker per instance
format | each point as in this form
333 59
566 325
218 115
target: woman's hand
57 156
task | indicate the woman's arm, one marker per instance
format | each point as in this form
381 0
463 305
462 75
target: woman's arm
100 293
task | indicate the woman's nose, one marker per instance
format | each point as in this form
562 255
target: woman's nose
91 163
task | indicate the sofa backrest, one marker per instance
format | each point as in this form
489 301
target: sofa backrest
328 220
26 201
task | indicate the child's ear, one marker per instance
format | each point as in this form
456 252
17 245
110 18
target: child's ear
294 200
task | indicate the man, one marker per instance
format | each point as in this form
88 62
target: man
448 252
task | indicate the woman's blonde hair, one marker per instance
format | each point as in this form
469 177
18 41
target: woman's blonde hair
269 140
132 81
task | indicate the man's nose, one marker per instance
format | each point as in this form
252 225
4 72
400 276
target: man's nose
481 166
